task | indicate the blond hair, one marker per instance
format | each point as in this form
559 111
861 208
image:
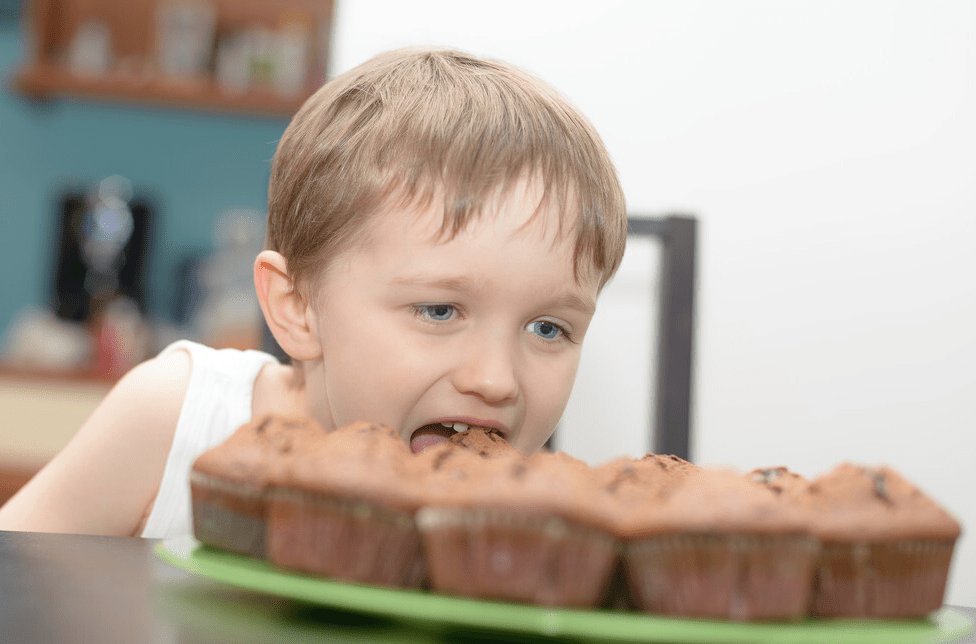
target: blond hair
420 124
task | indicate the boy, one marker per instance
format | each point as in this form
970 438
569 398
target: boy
439 227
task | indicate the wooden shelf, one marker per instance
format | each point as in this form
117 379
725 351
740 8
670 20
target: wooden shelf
42 81
12 478
15 373
42 410
131 31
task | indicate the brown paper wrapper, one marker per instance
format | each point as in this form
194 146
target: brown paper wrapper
722 576
342 538
229 516
896 579
519 557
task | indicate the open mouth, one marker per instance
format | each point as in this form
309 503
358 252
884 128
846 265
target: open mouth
434 433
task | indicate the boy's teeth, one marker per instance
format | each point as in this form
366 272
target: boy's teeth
458 427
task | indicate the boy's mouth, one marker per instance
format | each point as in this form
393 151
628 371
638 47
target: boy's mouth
434 433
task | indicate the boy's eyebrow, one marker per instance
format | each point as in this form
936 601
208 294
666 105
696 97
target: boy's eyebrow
573 301
566 299
445 283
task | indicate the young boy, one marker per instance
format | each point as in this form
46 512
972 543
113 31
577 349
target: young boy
439 228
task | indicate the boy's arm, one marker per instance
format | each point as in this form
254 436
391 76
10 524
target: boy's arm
105 479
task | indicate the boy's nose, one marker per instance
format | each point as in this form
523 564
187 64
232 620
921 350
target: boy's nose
488 370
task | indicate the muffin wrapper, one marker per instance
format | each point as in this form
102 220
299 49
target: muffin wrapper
894 579
513 556
722 576
229 516
343 538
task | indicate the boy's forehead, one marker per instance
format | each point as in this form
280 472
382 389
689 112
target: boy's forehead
526 207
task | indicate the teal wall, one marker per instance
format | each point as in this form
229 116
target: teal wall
195 165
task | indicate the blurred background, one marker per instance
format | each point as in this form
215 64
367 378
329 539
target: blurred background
827 150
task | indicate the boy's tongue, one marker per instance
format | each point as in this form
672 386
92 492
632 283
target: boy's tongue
429 435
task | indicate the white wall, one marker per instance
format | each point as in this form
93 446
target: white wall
829 149
611 410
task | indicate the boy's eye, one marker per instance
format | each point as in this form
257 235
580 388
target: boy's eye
436 312
545 330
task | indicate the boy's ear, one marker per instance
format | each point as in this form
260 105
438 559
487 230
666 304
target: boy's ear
289 317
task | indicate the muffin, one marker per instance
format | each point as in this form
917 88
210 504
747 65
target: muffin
887 546
459 461
532 530
484 442
229 483
345 509
633 482
637 480
717 545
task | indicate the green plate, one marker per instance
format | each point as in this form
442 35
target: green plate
431 609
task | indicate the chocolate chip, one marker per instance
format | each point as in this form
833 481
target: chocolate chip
439 460
880 485
625 474
767 475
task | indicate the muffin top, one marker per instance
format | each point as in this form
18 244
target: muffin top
714 500
547 483
484 442
257 450
641 479
874 503
461 460
361 461
632 497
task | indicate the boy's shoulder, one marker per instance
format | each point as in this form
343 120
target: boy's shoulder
151 394
234 362
166 375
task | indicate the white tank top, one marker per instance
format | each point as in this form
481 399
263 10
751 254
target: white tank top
218 401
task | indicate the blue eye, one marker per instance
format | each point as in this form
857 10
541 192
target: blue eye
545 329
436 312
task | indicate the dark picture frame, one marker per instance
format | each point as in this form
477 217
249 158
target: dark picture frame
671 415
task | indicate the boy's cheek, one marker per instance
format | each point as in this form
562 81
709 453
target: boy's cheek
551 390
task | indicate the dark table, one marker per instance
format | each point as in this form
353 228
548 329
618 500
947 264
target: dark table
80 589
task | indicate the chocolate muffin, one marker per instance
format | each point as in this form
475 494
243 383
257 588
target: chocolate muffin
717 545
345 509
230 483
484 442
531 530
631 483
887 546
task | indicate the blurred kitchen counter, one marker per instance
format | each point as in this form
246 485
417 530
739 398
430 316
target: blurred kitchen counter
40 411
